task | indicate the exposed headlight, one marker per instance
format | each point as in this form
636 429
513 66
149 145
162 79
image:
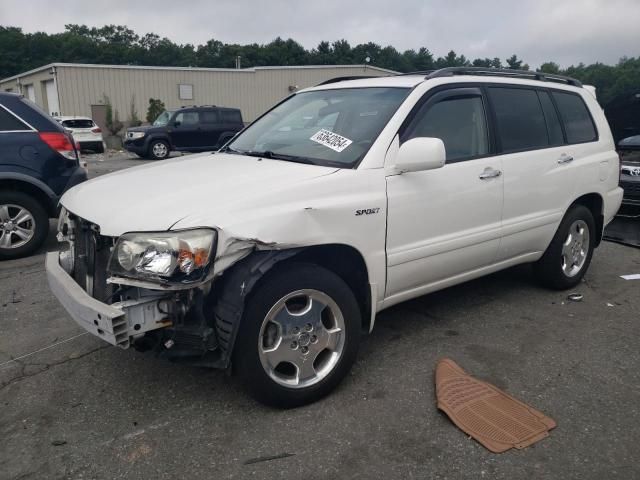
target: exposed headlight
164 257
135 135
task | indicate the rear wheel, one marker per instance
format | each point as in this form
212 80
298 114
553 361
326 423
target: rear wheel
24 225
299 336
159 149
568 256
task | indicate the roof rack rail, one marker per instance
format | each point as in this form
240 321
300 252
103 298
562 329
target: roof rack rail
417 72
343 79
504 72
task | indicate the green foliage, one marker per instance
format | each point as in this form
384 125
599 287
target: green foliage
514 63
156 107
117 44
133 120
114 125
550 67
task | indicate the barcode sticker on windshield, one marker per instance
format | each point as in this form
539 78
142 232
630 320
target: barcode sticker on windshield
331 140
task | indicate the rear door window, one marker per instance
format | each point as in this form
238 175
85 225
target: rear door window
209 116
187 119
554 128
520 121
577 120
9 123
459 122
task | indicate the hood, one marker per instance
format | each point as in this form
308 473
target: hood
142 128
154 197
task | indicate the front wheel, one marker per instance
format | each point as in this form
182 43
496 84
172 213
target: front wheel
568 256
159 149
299 336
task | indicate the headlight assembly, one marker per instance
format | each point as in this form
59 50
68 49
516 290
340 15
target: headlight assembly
135 135
164 257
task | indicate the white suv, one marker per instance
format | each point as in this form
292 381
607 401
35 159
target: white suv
275 254
85 132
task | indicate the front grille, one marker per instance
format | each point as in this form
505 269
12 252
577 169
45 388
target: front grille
91 256
631 189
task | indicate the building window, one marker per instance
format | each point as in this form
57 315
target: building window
185 91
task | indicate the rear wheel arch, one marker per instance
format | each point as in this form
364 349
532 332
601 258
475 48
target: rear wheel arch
595 203
42 197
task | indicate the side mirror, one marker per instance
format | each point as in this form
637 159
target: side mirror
421 153
176 124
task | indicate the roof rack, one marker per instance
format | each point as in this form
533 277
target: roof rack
343 79
417 72
503 72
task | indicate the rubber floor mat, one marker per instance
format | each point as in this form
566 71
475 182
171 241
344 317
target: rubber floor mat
495 419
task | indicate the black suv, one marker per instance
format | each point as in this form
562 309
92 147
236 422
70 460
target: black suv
39 161
190 129
629 150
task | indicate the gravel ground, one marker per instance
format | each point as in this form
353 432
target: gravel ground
77 408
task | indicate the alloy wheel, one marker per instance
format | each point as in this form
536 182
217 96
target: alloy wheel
17 226
575 248
301 339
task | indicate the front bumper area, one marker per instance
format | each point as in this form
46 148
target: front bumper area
137 146
118 324
104 321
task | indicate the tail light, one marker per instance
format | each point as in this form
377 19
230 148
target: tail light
61 143
96 130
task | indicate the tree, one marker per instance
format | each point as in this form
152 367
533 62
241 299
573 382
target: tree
514 63
112 120
452 60
487 62
156 107
118 44
550 67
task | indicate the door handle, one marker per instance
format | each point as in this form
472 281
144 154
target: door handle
489 173
565 159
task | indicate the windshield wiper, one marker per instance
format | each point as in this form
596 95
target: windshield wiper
231 150
279 156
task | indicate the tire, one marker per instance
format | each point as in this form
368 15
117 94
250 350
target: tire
24 225
158 150
558 268
100 149
331 344
223 140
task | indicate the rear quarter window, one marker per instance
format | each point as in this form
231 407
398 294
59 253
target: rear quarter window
9 123
575 115
231 116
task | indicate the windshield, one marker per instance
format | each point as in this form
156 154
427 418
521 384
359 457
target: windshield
162 119
324 127
78 123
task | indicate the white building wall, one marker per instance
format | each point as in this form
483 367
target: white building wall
251 90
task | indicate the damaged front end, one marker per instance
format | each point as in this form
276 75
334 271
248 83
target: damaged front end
156 291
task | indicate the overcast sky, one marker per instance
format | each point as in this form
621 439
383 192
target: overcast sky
565 31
